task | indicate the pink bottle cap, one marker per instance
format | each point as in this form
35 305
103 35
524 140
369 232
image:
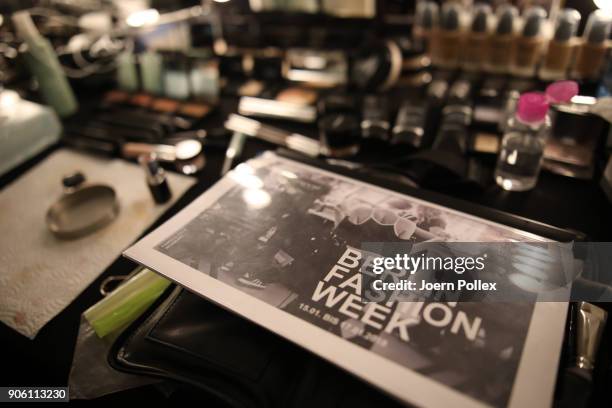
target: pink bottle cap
561 91
532 107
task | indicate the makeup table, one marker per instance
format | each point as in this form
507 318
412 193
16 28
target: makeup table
46 360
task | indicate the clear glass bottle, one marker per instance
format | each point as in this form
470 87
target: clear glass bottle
520 157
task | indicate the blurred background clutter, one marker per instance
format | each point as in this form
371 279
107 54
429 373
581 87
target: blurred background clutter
116 114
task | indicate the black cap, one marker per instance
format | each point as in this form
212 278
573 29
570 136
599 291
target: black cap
533 21
450 19
505 20
73 180
480 21
567 25
427 14
598 28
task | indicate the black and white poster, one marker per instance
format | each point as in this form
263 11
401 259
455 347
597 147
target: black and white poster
281 243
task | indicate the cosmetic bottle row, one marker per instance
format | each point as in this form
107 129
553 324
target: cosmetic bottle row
459 119
505 43
439 120
170 74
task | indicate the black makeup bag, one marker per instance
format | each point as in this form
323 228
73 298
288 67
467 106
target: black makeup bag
234 362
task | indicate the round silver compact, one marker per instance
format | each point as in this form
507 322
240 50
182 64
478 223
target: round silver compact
185 153
82 209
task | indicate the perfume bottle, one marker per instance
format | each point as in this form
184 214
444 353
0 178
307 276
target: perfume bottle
520 157
591 54
499 55
528 46
448 39
425 22
476 40
561 47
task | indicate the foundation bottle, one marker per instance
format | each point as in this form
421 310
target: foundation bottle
448 39
561 47
477 38
591 53
529 45
425 22
499 55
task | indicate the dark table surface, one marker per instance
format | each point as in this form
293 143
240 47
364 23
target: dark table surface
46 360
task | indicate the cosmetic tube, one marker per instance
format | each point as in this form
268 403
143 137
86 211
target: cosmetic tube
586 329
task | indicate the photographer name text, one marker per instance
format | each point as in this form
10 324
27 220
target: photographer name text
461 284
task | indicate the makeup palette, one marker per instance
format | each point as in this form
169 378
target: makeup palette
165 105
141 99
194 110
300 96
116 97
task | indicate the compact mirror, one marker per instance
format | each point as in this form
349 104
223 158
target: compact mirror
82 209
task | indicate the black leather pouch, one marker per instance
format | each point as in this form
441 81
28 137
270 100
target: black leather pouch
187 339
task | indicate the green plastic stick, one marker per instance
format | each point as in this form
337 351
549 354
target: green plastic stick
126 303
